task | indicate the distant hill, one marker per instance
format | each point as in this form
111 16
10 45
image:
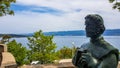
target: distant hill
67 33
13 35
110 32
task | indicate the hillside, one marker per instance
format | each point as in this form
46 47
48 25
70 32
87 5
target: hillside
112 32
13 35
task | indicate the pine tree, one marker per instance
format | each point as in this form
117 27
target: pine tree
18 51
5 7
42 48
116 4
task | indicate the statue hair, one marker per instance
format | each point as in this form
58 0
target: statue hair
99 22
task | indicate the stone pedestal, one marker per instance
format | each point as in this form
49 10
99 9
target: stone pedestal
7 60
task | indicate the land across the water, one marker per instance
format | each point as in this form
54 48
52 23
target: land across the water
108 32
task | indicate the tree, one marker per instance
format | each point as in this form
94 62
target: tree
65 52
5 7
116 4
18 51
42 48
5 39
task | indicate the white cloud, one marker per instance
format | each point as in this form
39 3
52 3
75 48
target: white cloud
28 21
68 5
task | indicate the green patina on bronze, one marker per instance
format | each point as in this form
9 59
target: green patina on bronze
97 53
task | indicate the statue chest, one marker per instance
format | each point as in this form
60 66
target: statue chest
97 50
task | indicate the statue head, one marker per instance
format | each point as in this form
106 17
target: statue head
94 25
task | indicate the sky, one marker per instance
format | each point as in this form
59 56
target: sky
56 15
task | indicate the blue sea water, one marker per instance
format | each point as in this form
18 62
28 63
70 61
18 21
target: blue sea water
74 41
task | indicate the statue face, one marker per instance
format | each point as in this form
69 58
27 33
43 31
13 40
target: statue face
94 25
91 28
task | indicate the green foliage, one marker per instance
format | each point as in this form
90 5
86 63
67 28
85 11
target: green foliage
5 39
18 51
5 7
42 48
111 1
65 53
116 4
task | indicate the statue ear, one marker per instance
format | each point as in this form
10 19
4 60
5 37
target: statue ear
102 30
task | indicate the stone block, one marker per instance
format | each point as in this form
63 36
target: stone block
3 48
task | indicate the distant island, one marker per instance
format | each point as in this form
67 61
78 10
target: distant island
14 35
109 32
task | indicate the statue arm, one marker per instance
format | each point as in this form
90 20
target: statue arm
109 62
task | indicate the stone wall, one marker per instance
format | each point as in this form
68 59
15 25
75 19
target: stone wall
59 65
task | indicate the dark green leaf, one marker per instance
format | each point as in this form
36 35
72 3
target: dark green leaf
114 7
11 12
111 1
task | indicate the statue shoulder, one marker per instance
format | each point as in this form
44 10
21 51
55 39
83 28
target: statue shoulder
112 50
109 48
105 49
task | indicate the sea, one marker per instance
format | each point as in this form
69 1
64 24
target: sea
71 41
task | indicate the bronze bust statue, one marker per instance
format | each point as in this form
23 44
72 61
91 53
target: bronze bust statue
97 53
